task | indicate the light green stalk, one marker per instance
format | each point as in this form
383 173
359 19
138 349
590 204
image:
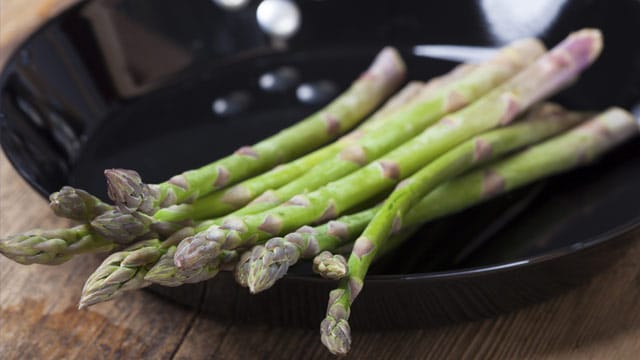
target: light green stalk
381 79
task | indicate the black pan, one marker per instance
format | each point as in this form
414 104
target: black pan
162 86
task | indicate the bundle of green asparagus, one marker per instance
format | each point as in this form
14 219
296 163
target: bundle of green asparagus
431 149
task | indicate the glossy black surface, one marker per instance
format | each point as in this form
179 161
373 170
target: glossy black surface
169 86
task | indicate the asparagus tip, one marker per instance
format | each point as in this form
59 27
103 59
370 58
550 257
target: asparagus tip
121 227
76 204
330 266
126 189
269 263
120 272
389 63
198 250
336 335
586 43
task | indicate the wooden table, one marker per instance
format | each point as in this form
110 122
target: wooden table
39 320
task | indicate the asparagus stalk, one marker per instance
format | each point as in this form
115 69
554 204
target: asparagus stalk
77 204
330 266
465 86
52 247
574 148
270 262
546 76
382 78
224 201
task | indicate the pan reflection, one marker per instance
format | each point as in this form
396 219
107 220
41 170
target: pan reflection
510 20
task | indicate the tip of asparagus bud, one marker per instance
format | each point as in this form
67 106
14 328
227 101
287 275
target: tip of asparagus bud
166 273
121 228
615 124
330 266
106 281
126 189
527 48
269 263
388 64
76 204
120 272
335 334
582 46
199 250
46 247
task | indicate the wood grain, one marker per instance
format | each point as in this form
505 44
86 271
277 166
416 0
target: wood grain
39 320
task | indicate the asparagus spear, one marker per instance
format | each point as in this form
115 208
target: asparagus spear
119 272
76 204
546 76
330 266
52 247
465 86
574 148
382 78
224 201
270 262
